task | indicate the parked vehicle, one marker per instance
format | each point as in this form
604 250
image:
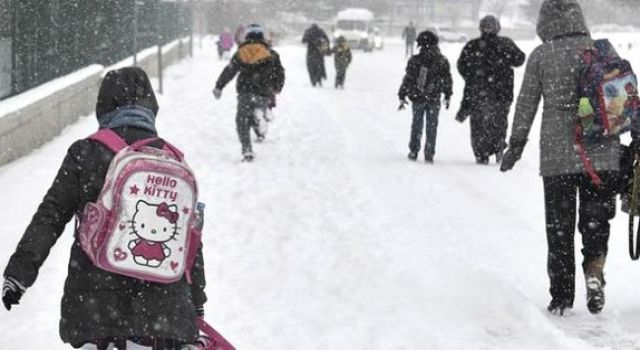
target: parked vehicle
355 25
447 34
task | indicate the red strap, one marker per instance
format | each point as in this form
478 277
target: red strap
586 162
219 343
110 139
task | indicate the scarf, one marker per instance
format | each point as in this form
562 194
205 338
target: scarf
129 116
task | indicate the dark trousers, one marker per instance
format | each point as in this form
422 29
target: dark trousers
489 123
425 115
245 117
596 206
341 73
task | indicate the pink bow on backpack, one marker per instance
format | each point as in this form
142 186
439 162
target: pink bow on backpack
163 211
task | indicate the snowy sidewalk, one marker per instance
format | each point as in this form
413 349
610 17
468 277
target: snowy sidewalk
331 239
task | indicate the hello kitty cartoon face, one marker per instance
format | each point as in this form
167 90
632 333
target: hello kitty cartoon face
155 222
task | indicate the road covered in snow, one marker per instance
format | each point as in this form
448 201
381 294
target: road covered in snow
331 239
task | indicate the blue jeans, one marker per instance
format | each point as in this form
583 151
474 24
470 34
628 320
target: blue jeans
424 111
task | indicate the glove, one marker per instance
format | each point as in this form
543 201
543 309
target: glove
217 93
447 102
513 154
403 104
12 291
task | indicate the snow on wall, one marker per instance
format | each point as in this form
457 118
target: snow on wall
29 120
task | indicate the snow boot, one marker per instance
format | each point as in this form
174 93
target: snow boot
482 160
559 307
413 156
594 280
428 159
248 156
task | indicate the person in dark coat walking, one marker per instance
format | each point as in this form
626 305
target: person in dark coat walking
261 77
99 307
553 71
486 64
317 47
409 35
427 77
342 58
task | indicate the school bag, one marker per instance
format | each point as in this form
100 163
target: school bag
142 224
609 105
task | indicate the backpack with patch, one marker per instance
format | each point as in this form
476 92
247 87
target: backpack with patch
609 102
609 105
143 223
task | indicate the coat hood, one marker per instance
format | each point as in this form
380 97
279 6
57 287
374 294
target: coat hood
560 18
129 86
254 52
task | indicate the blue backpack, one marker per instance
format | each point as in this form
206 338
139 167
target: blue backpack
609 103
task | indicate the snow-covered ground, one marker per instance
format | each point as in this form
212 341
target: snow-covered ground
332 239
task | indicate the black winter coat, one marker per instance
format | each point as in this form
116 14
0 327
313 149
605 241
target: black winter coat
342 56
317 42
427 77
261 72
98 304
486 64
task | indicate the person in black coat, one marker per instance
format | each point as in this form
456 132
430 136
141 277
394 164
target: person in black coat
99 307
486 64
427 78
261 78
317 47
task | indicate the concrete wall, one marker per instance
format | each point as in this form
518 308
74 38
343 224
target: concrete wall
31 119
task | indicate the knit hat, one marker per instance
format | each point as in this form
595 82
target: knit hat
490 25
254 32
427 38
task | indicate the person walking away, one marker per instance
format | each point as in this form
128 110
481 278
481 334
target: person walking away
225 43
261 77
427 78
317 47
553 71
409 36
486 64
342 58
101 308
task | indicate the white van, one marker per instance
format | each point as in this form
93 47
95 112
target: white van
356 25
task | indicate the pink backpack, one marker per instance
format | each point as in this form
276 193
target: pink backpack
142 224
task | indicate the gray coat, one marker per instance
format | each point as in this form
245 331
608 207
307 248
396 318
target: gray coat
552 72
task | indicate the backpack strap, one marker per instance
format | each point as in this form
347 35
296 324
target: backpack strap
219 342
110 139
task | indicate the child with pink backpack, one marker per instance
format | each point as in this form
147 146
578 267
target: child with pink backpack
136 273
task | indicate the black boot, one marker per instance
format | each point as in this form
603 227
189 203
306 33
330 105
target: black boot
594 278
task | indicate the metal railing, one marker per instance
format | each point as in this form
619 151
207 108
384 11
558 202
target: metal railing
45 39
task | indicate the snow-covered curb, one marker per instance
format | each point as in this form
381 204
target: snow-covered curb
36 116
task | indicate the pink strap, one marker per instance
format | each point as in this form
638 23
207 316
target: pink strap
218 341
110 139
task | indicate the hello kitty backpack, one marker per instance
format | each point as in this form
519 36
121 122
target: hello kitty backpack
142 224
